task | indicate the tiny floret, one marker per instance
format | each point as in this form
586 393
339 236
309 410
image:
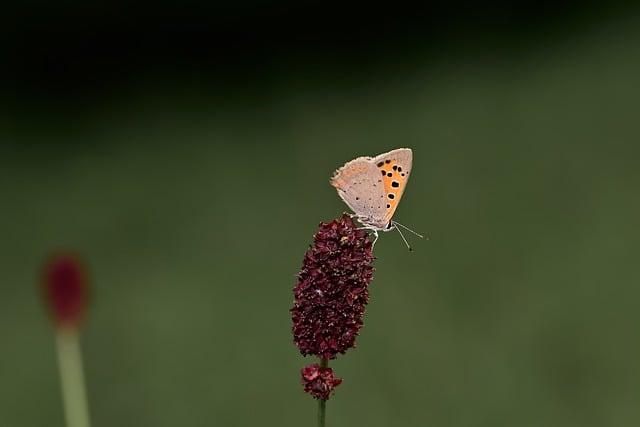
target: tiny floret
318 381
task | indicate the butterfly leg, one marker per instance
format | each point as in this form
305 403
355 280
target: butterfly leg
374 231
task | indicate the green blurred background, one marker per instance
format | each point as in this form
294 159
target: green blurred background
186 154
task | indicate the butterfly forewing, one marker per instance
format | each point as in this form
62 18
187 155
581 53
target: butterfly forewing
394 168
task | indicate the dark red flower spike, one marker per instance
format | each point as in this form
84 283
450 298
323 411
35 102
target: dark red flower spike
331 293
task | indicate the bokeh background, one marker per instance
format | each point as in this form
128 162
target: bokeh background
185 151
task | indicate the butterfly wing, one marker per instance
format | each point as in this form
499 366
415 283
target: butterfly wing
394 168
360 184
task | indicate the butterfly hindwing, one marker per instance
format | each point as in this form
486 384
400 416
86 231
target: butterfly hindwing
361 186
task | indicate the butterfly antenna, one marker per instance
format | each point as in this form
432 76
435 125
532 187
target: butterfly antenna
405 240
409 230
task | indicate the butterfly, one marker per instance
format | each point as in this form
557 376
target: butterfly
373 186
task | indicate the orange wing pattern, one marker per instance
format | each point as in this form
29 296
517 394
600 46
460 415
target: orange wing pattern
394 168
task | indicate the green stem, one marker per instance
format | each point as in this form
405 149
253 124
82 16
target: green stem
322 404
322 407
72 378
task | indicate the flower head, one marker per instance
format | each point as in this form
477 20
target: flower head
318 381
331 293
66 289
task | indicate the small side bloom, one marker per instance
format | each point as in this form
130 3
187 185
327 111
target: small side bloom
332 290
66 289
318 381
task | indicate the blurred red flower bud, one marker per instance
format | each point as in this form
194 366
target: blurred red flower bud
66 289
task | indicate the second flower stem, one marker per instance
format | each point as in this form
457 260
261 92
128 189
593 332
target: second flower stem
72 377
322 403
